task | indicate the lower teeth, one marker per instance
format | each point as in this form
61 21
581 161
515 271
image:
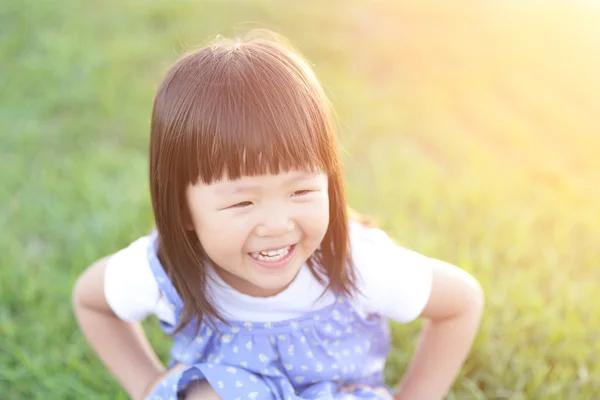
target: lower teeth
268 258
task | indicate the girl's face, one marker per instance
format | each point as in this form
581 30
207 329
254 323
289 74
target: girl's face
260 230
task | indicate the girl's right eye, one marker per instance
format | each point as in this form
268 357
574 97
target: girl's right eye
242 204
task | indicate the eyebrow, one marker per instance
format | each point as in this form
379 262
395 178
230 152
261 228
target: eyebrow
245 188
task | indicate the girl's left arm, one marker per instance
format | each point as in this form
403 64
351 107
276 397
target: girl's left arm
452 314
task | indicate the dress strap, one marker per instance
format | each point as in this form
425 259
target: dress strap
164 282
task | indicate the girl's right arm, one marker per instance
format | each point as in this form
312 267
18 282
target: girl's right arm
122 346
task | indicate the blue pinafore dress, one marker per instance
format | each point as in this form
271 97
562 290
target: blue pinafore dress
311 357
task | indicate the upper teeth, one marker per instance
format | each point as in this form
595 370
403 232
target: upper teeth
272 253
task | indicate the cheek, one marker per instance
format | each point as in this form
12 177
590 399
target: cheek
220 236
316 218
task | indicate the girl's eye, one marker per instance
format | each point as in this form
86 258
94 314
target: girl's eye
242 204
302 192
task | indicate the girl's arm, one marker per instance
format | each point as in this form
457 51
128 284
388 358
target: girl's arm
453 313
122 346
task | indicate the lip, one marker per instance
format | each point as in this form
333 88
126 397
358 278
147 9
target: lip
275 248
279 263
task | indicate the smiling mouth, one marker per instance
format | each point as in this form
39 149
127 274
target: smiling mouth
272 255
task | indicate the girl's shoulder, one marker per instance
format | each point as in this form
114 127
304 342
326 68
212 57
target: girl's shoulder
392 280
360 231
130 286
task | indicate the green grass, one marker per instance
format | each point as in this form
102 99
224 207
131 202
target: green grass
469 133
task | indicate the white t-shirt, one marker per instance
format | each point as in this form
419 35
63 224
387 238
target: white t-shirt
393 282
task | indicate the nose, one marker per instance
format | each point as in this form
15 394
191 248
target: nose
276 222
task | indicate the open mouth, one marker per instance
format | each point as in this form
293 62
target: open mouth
274 258
272 255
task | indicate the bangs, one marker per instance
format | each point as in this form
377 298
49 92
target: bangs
254 111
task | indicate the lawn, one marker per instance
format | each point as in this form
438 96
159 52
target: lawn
469 132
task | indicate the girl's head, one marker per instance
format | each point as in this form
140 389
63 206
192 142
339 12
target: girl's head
243 159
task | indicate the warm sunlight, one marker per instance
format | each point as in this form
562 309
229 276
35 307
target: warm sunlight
518 80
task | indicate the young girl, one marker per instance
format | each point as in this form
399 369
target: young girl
267 287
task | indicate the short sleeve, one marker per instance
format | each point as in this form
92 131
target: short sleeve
394 282
129 285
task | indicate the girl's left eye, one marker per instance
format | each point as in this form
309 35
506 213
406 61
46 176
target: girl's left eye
301 192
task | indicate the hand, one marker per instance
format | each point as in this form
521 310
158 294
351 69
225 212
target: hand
153 384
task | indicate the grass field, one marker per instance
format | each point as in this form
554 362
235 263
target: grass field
470 132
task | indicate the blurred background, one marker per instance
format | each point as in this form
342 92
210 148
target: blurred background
470 132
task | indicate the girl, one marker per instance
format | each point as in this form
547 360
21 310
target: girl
266 286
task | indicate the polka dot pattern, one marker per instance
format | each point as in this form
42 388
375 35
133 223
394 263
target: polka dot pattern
312 357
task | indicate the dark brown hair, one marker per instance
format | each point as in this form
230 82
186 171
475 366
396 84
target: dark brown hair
236 108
